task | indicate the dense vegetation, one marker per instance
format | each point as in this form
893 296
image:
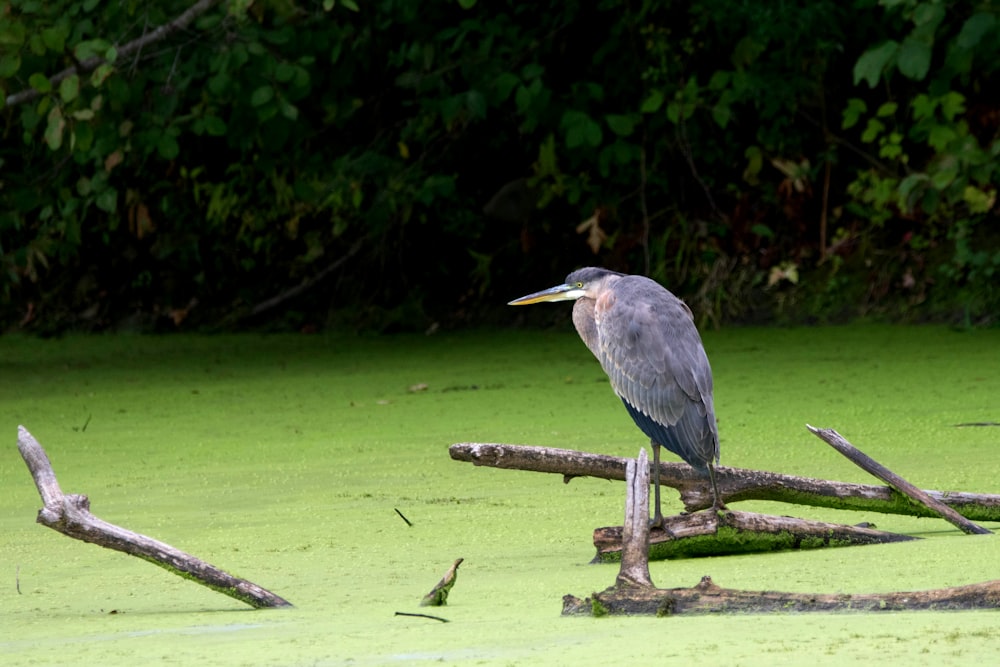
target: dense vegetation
406 163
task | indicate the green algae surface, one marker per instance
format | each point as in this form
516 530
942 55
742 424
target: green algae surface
283 459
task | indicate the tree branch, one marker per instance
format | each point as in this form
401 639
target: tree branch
735 484
70 515
873 467
126 50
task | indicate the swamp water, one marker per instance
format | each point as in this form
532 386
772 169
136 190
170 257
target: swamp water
282 459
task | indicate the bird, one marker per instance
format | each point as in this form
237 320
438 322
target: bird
648 345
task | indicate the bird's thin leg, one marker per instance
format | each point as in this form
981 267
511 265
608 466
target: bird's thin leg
717 503
657 521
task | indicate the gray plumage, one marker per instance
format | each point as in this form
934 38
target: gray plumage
645 340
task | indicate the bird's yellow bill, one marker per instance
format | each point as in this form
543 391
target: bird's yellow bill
557 293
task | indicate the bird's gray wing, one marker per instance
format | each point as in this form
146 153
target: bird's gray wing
653 355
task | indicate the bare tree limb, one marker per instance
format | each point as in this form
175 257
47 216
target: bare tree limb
306 284
70 515
870 465
124 51
735 484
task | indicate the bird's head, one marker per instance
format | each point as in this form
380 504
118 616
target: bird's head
586 282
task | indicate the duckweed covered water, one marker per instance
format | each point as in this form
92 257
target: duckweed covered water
282 459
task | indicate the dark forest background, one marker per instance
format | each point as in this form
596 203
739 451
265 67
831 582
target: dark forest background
396 165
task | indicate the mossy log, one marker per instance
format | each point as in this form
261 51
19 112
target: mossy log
70 515
710 533
635 594
735 484
708 598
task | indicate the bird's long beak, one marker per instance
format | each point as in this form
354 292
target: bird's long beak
557 293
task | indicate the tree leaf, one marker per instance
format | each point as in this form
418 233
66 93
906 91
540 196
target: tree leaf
940 135
54 129
974 29
54 38
622 125
215 126
721 113
914 59
475 102
103 71
873 62
504 85
167 147
653 102
952 104
262 95
69 88
887 109
9 64
852 113
872 130
40 82
107 200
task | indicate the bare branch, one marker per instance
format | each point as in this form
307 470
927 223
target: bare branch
70 515
735 484
126 50
870 465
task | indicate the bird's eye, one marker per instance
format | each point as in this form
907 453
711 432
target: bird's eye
579 284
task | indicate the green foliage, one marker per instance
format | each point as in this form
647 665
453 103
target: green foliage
936 164
250 151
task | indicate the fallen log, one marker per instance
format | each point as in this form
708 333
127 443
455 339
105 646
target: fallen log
708 598
70 515
635 594
735 484
708 533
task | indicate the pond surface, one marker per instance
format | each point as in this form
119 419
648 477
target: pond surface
283 459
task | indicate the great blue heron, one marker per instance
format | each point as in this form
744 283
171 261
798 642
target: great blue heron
647 343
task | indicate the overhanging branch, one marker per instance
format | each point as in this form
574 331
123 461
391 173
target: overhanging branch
124 51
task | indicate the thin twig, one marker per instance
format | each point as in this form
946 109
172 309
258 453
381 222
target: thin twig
403 517
433 618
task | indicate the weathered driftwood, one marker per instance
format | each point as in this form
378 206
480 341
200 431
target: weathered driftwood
70 515
735 484
873 467
634 593
634 570
708 533
707 598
